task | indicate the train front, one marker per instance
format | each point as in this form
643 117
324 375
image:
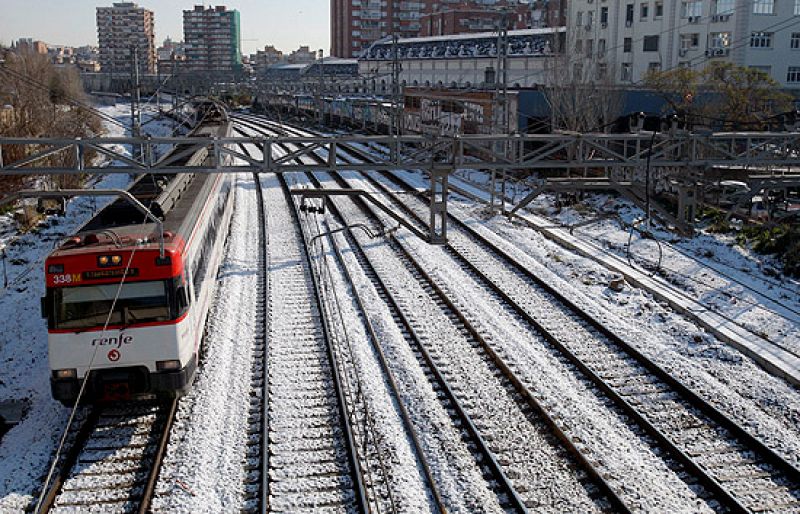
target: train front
120 314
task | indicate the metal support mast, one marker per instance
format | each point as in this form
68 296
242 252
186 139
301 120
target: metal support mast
396 128
500 108
136 98
321 103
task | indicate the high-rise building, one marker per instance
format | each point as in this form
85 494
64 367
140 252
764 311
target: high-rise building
622 41
356 24
120 29
213 39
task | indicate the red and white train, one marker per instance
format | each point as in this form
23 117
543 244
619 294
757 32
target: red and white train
118 311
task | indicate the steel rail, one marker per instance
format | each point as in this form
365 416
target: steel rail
708 482
374 340
361 497
688 395
263 307
165 416
407 328
529 399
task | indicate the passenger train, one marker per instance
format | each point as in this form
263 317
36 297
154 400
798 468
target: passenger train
122 316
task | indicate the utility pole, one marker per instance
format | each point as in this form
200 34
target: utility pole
500 109
321 85
136 98
396 126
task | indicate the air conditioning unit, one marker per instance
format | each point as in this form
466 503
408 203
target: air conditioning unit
694 19
717 18
720 52
604 25
682 52
588 27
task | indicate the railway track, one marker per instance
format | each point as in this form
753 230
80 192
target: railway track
302 454
114 460
742 472
548 471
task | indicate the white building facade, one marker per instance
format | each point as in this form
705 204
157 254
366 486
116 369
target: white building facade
619 41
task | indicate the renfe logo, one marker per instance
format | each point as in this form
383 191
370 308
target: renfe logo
112 341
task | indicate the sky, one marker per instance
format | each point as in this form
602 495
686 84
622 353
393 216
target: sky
286 24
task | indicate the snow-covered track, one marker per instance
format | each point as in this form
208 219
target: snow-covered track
498 481
741 472
257 479
114 460
300 455
526 443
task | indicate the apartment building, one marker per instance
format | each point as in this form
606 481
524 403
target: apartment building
463 17
120 29
212 37
619 41
356 24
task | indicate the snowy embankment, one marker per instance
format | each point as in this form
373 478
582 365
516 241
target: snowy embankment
26 450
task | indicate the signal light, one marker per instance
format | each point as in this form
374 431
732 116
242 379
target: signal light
55 268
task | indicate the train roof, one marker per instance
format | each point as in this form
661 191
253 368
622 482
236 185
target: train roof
176 199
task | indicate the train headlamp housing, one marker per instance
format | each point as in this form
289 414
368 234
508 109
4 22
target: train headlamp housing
65 373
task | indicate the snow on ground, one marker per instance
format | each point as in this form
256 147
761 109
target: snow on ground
26 450
712 268
766 405
203 470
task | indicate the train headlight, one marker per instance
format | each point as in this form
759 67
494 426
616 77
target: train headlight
65 373
172 365
105 261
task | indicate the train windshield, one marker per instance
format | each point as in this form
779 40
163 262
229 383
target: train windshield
87 307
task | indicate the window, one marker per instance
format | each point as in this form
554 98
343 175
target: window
627 45
626 75
629 15
602 70
601 47
724 6
86 307
579 19
659 10
720 39
794 74
579 46
577 72
763 6
653 67
650 44
690 41
795 44
692 9
761 40
644 11
589 18
604 15
589 47
797 7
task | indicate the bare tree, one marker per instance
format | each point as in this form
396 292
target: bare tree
579 90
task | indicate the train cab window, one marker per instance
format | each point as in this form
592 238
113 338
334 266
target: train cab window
87 307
